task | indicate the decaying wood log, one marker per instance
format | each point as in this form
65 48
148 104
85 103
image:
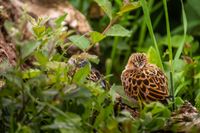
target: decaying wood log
54 9
12 10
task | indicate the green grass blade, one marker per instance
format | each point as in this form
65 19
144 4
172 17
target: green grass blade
142 34
150 28
179 51
170 52
157 20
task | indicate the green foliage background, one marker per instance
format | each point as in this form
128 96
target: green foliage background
47 99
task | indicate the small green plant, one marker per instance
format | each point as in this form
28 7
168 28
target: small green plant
44 97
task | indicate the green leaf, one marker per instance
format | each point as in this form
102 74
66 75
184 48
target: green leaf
106 6
96 36
176 40
157 110
154 116
147 19
153 57
195 5
55 65
60 19
91 58
156 124
197 101
70 125
104 113
81 74
179 65
14 79
80 41
181 87
118 30
108 66
39 30
113 92
116 91
4 65
31 73
28 48
9 26
197 76
179 101
129 7
23 129
41 58
179 51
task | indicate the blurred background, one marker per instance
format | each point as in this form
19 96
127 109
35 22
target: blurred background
38 37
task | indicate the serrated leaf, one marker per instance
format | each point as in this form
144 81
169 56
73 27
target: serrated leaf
153 57
28 48
80 41
60 19
81 74
129 7
106 6
96 36
118 30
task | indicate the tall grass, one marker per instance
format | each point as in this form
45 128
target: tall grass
109 62
149 25
150 28
170 52
180 48
179 51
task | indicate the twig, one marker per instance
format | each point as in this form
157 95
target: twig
113 21
172 90
110 24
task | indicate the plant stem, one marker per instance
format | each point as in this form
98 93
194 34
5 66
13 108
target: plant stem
109 62
142 34
170 54
114 48
179 51
110 24
105 30
172 90
149 25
